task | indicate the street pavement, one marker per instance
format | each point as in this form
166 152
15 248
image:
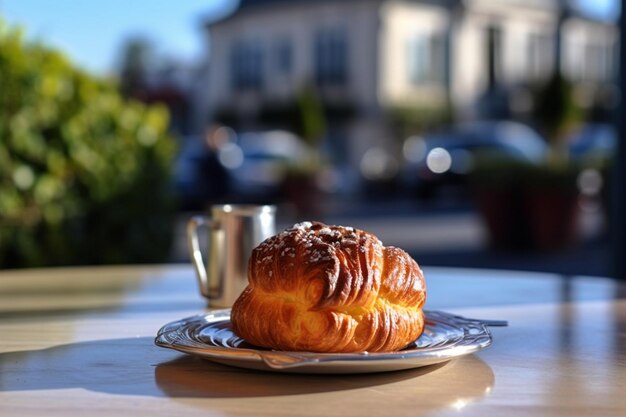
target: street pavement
446 235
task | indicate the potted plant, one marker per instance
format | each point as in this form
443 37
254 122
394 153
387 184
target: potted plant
527 206
534 206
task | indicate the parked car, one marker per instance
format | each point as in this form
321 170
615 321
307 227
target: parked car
248 167
264 157
593 140
442 161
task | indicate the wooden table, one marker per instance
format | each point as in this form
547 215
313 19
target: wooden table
79 342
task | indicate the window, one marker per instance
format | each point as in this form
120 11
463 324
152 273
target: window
331 57
246 66
539 59
284 57
599 63
591 61
426 59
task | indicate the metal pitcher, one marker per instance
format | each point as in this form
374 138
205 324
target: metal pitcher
233 231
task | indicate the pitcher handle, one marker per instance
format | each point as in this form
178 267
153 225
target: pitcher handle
193 225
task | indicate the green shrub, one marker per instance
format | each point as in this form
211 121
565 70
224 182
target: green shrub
83 173
504 173
412 119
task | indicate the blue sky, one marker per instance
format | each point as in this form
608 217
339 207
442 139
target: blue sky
604 9
91 32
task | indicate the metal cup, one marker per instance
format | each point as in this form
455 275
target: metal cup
233 231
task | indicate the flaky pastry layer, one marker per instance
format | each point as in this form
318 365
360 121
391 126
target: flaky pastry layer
322 288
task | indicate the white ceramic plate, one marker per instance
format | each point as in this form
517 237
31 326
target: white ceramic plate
210 336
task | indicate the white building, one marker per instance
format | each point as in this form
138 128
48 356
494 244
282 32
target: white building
375 55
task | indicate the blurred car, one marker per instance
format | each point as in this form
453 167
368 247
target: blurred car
593 140
260 170
441 162
248 167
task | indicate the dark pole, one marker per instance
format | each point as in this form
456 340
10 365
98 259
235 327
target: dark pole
558 42
618 219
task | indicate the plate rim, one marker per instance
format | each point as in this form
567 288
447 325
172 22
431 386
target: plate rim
292 360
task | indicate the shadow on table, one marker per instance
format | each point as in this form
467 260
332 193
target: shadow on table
134 366
117 366
192 377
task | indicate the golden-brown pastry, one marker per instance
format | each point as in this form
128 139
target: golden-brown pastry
322 288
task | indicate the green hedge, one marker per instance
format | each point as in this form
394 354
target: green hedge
84 174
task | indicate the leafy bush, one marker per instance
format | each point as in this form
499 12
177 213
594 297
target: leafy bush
407 120
83 173
503 173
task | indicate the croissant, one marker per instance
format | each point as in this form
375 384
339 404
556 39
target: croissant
322 288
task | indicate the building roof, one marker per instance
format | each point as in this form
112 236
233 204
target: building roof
255 3
251 5
244 4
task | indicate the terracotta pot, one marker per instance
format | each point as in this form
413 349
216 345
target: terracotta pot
303 194
553 218
537 220
505 218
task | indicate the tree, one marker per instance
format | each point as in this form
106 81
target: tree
134 64
83 172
